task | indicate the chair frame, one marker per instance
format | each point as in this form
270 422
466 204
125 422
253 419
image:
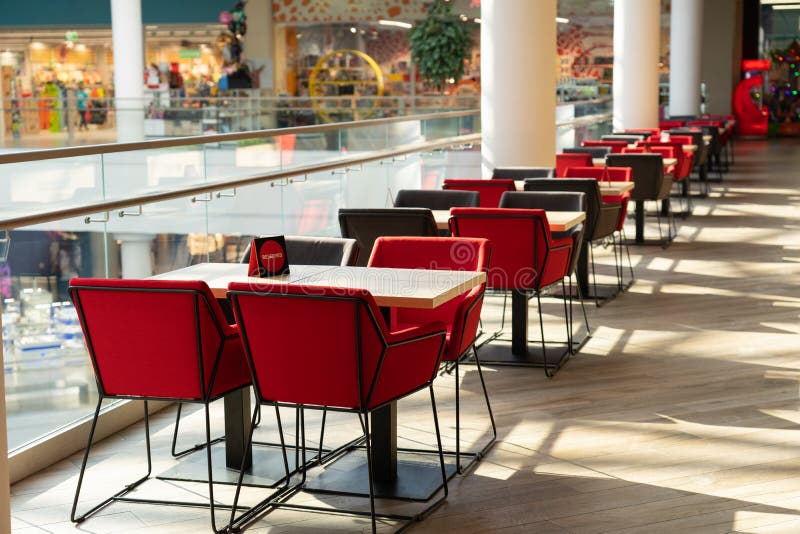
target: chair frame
278 499
206 399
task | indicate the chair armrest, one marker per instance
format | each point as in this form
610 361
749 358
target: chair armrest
410 363
465 327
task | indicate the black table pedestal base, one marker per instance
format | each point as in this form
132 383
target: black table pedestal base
267 470
417 480
499 352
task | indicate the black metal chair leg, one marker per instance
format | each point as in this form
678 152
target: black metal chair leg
488 404
583 308
370 473
438 447
322 434
458 418
547 372
211 500
127 488
567 315
194 448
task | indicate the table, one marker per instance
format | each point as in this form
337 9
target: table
412 288
560 221
601 162
607 188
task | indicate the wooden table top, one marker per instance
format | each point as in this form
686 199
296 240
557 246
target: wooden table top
560 221
395 288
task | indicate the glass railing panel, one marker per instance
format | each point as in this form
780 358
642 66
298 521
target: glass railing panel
311 203
48 378
142 172
48 185
235 217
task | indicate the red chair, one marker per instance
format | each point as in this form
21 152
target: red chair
615 146
635 150
460 315
157 340
612 174
669 124
346 359
490 190
565 161
525 257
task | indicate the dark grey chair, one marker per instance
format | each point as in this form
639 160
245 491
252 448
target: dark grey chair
307 250
651 184
436 199
641 135
601 223
596 151
520 173
557 201
701 156
365 225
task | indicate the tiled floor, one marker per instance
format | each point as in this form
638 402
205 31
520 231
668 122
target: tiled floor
679 415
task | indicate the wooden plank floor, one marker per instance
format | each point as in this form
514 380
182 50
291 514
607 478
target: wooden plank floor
679 415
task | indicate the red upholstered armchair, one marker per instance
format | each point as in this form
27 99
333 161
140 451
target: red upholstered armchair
490 190
525 256
565 161
156 339
460 315
346 358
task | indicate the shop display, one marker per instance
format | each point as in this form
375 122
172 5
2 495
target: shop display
345 73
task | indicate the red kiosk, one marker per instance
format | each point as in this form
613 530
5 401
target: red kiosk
752 117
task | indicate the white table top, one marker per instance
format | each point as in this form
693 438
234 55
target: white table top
601 162
560 221
397 288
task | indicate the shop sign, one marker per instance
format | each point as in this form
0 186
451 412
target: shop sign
189 53
71 36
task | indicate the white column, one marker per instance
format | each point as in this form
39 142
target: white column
518 83
637 42
259 42
128 41
685 38
135 255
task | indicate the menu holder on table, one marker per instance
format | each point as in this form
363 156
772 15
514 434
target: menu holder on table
268 257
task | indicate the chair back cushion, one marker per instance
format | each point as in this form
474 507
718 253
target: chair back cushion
435 199
306 344
520 173
154 338
443 253
595 151
490 191
613 174
647 171
520 242
616 146
565 161
587 186
367 225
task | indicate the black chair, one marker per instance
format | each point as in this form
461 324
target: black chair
651 184
641 135
520 173
308 250
436 199
601 223
703 155
365 225
557 201
597 152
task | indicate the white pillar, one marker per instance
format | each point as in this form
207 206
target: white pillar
128 41
685 37
637 43
135 255
259 42
518 83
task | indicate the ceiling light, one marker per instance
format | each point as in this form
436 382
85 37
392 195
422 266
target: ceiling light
780 7
562 20
395 23
352 29
477 21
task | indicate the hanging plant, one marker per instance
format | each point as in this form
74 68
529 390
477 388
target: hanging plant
440 44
